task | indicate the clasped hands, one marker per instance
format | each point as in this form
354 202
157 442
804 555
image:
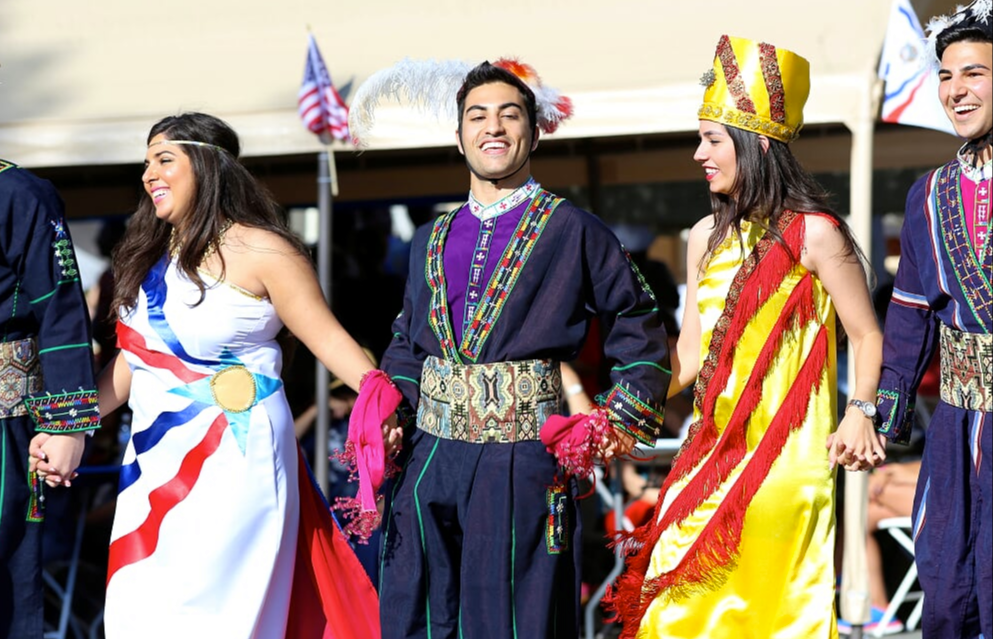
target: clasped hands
56 456
856 446
615 443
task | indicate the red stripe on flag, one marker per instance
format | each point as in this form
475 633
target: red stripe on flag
141 543
894 115
320 106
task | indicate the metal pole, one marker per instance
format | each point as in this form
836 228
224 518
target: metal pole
324 187
855 604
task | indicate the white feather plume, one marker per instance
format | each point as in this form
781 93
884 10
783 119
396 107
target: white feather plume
980 12
429 86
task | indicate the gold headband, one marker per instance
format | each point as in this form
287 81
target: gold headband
756 87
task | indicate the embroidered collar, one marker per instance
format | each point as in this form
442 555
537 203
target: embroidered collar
521 193
974 173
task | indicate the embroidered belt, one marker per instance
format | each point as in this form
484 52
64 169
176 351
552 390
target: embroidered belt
967 369
20 376
503 402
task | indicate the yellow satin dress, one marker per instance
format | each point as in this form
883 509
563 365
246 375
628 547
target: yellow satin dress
780 584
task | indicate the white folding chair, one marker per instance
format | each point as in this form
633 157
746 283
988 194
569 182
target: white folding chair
900 529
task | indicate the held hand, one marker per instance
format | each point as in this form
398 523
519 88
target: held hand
616 443
856 446
56 456
392 435
38 460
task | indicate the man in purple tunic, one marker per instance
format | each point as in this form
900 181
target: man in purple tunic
943 299
481 535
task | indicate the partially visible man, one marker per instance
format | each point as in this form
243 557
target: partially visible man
46 381
943 299
481 534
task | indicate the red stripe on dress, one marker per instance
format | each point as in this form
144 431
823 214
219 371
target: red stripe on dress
141 543
132 341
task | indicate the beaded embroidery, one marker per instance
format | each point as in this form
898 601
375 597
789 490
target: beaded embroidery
65 412
637 416
888 404
975 283
557 526
63 250
773 82
434 274
36 498
733 76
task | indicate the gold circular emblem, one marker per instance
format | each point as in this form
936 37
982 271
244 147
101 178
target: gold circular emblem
233 389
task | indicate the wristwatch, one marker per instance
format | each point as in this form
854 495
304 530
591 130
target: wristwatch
868 409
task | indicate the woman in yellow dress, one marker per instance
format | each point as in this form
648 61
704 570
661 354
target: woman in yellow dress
742 541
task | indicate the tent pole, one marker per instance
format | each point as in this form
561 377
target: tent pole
855 604
325 159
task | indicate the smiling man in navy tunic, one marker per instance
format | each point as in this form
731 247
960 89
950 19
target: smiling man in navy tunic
943 300
481 534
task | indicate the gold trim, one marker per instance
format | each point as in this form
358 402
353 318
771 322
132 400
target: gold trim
235 287
749 122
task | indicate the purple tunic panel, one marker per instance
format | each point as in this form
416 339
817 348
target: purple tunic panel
460 250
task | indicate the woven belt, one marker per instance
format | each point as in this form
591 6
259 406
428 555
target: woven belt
20 376
504 402
967 369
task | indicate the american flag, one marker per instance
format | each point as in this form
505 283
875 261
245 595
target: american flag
321 108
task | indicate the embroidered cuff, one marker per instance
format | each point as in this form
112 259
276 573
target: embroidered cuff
64 413
896 415
638 416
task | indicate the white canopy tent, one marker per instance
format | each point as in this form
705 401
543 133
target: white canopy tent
81 84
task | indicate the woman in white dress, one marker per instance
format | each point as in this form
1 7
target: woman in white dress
205 537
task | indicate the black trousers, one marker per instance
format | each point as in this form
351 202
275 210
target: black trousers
21 596
480 542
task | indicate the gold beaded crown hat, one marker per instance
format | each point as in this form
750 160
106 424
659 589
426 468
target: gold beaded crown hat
756 87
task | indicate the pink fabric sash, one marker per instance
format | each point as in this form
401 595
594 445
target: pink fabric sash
574 440
365 452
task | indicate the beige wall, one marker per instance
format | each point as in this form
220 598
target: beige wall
80 83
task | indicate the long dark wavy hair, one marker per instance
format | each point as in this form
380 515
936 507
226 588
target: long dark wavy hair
766 184
224 192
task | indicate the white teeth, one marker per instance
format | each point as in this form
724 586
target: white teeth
709 171
494 145
966 108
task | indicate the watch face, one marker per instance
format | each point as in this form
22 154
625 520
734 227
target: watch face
868 408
